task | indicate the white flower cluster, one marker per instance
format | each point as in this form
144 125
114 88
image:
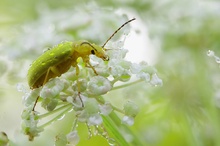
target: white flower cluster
83 92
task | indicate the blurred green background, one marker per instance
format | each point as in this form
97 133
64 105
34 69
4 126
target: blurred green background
184 111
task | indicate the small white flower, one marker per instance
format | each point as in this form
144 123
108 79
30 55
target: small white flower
99 85
29 98
128 120
52 88
118 54
95 119
135 68
156 81
29 124
144 76
131 109
73 138
82 116
105 109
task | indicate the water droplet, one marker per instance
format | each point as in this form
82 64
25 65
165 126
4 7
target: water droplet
61 117
70 110
210 53
104 134
111 142
89 131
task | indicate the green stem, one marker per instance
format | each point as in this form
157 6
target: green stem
74 124
113 129
102 101
114 126
57 117
118 110
125 85
56 110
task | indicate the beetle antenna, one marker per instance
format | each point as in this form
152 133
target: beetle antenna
117 31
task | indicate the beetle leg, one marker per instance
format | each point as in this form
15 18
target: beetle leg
45 80
89 65
35 103
52 69
78 84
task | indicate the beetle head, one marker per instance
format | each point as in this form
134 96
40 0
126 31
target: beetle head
96 50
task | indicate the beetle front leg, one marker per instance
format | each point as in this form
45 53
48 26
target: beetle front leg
89 65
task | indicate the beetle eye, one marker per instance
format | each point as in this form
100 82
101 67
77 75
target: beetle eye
93 52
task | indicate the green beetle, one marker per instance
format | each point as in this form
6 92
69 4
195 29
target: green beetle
56 61
59 59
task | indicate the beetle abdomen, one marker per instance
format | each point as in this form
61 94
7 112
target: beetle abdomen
58 57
